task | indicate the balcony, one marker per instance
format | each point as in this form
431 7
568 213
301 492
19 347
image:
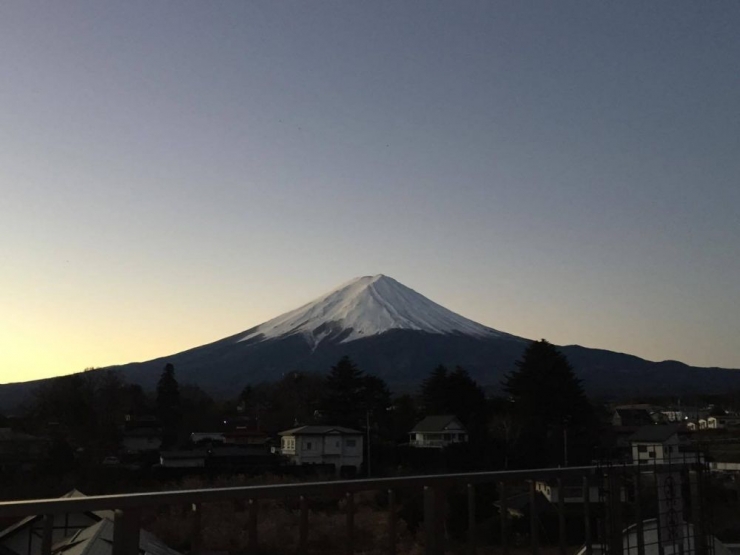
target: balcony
601 526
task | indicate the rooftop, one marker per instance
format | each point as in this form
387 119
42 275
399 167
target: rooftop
437 423
319 431
655 433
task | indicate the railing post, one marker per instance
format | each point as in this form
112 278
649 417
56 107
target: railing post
504 517
350 548
639 528
303 527
195 532
434 520
392 522
697 511
47 537
614 512
533 518
252 541
587 540
471 520
561 516
126 532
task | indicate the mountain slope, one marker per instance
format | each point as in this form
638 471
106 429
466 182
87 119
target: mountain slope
400 335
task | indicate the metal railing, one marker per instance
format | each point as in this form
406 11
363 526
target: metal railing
610 529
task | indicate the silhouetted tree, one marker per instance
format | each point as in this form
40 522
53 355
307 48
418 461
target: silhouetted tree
293 400
344 402
548 402
434 393
168 405
456 393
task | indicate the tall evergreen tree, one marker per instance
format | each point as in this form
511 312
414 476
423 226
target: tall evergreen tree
551 407
456 393
344 399
168 405
434 393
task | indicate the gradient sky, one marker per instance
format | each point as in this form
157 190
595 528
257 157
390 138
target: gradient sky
175 172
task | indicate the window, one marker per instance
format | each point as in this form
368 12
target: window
642 448
651 455
351 443
308 445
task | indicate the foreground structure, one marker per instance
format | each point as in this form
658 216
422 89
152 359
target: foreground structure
680 522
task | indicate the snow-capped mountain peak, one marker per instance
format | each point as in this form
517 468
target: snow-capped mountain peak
367 306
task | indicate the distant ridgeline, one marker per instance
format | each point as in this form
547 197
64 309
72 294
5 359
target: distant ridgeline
399 335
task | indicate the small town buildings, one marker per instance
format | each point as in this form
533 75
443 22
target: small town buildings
438 432
24 537
722 422
323 445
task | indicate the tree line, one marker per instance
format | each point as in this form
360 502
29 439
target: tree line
542 417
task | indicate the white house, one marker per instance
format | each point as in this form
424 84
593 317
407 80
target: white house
658 444
335 445
438 431
24 537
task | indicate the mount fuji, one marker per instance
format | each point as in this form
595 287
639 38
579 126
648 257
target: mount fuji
399 335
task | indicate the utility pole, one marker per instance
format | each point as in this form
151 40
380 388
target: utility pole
565 441
367 430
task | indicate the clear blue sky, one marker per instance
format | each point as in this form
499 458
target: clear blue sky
175 172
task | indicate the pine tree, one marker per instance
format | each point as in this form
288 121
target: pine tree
551 407
457 394
168 405
434 393
344 402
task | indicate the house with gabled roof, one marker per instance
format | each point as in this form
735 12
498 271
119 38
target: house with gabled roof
325 445
25 537
661 444
438 432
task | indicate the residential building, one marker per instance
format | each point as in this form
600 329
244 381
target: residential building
722 422
334 445
438 432
659 444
